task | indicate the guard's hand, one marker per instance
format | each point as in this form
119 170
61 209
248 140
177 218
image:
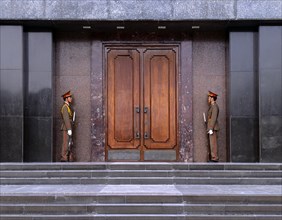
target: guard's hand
69 133
210 132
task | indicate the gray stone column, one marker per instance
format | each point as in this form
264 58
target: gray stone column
11 94
270 93
243 97
97 109
38 105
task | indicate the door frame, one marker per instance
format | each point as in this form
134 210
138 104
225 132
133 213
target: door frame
185 98
134 45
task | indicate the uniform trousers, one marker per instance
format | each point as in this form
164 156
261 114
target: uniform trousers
64 153
213 146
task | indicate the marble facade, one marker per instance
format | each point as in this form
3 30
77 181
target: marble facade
80 59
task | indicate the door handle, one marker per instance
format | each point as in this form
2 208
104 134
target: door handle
137 109
136 122
146 135
146 122
145 109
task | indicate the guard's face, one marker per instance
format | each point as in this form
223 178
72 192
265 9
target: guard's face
209 100
69 99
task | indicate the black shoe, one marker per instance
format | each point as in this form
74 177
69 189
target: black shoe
63 161
212 161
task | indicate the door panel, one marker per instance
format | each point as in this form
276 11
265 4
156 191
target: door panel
160 99
141 102
123 85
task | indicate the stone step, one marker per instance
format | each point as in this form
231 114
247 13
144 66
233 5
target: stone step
139 173
143 180
141 166
153 208
203 197
141 217
140 191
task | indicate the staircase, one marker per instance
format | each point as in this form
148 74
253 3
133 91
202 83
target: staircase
133 191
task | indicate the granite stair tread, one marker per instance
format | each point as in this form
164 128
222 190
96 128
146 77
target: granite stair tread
149 208
144 180
128 189
141 165
143 217
132 191
140 173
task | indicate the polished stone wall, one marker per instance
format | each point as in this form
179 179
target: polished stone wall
209 73
270 93
38 98
26 95
243 97
210 66
78 58
97 103
72 62
193 138
27 109
11 94
185 102
255 93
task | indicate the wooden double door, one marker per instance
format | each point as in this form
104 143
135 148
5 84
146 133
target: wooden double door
141 108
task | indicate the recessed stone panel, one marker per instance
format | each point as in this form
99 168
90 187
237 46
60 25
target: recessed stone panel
270 44
126 155
271 150
271 139
11 44
160 155
40 51
11 92
244 139
271 92
11 139
38 139
243 94
242 51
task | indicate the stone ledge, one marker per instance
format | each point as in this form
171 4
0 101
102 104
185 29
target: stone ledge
135 10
